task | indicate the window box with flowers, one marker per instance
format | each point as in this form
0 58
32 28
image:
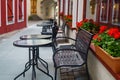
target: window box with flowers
107 47
68 19
61 15
89 25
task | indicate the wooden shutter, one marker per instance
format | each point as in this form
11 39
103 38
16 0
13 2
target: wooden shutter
20 9
10 10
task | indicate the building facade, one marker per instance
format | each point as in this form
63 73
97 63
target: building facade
104 12
45 9
12 15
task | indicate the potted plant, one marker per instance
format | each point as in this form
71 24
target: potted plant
61 14
107 47
89 25
68 19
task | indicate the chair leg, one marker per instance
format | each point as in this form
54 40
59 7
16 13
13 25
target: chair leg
55 74
87 72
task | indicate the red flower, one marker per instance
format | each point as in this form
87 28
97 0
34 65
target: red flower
85 20
91 20
112 31
102 29
69 17
99 39
116 35
79 24
95 36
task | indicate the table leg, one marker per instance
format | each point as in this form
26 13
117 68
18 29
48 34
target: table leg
33 61
22 73
43 62
27 66
47 73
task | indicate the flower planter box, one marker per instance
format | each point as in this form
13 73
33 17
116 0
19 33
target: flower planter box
69 24
112 62
92 46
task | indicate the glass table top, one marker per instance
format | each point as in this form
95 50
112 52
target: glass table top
32 42
35 36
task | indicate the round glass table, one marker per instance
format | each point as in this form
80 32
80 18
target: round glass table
35 36
33 46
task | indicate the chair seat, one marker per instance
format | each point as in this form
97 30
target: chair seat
67 46
68 58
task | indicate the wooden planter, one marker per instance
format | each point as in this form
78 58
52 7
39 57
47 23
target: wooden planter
69 24
112 62
92 46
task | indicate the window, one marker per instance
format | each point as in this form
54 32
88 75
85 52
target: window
20 10
108 12
116 12
10 11
104 8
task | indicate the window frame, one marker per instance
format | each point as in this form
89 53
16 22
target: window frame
118 15
13 12
110 14
106 11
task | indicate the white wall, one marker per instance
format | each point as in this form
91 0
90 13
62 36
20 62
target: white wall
39 8
74 12
28 7
61 6
80 10
66 7
97 70
51 11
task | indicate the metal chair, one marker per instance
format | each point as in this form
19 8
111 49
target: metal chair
75 55
62 36
48 29
62 30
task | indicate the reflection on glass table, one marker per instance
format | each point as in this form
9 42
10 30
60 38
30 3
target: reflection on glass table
35 36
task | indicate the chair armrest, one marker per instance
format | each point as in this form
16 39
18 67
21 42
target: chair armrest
56 41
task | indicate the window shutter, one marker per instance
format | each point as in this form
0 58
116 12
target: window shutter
10 10
20 9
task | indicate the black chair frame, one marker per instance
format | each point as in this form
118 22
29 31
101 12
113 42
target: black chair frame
75 55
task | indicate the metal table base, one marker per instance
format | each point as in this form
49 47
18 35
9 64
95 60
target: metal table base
34 59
